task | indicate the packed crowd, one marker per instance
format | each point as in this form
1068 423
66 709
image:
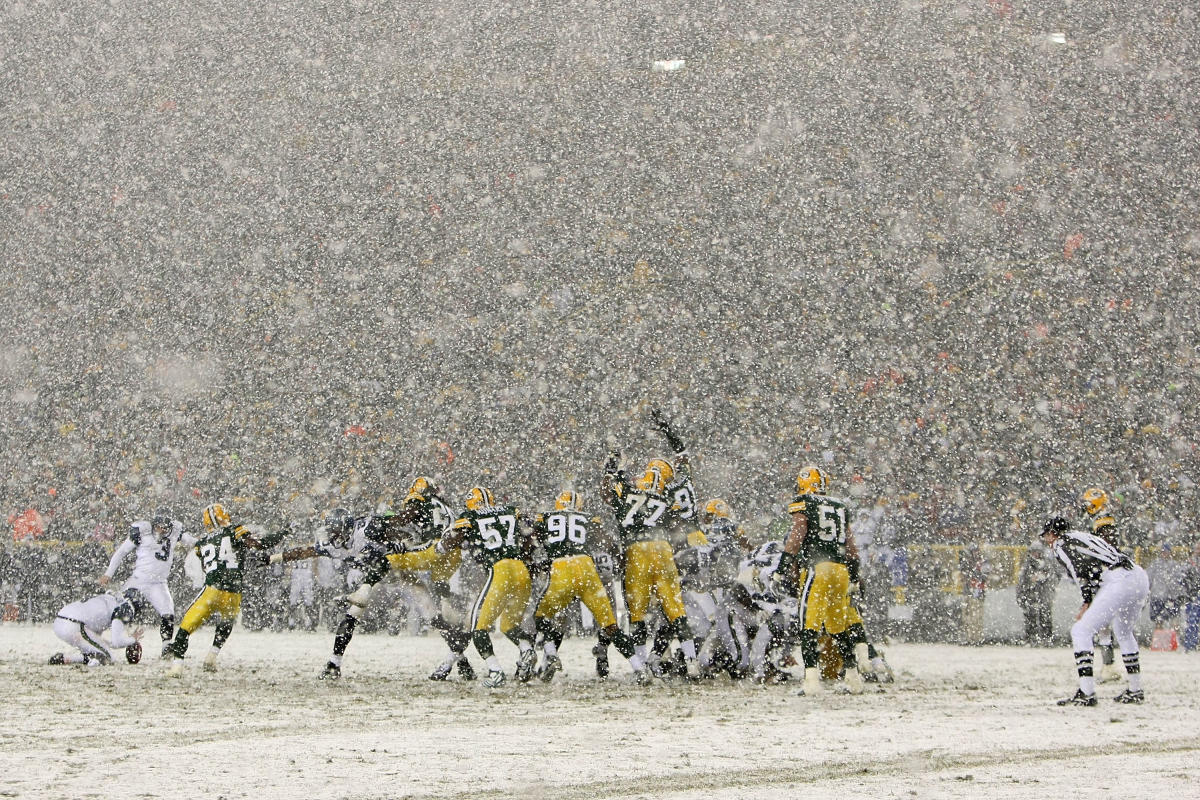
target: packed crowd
949 250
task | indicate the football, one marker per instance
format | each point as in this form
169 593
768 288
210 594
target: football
133 653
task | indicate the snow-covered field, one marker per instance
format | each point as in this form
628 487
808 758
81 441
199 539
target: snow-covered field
960 722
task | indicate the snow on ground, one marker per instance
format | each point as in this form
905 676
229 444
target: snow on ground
960 722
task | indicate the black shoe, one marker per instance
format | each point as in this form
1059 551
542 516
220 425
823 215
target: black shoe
331 672
601 653
465 670
1078 699
441 673
58 658
1128 696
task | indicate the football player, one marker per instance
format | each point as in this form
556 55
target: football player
153 544
427 518
222 550
820 543
494 534
569 536
81 625
645 510
373 537
1114 589
707 567
1096 508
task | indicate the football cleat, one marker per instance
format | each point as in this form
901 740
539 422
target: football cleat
442 672
1110 673
853 681
553 664
331 672
1078 699
812 681
465 670
58 658
176 670
643 676
494 679
167 653
601 653
210 663
1128 696
526 662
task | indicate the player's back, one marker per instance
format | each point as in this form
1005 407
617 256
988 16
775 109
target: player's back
95 613
567 533
827 528
222 556
492 533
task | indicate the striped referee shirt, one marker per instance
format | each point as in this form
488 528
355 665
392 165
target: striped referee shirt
1086 557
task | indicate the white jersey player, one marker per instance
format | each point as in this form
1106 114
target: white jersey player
773 610
82 624
153 545
1114 589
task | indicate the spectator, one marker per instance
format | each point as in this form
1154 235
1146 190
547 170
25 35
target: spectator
1035 594
1167 592
973 568
1191 586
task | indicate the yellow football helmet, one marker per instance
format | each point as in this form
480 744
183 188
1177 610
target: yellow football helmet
812 480
479 497
568 500
658 474
215 517
1094 501
422 487
716 509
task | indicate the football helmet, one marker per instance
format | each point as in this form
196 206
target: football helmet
160 523
479 497
659 473
716 509
215 517
422 488
1094 501
339 525
812 480
568 500
1056 526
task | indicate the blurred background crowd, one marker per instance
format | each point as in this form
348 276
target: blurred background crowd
289 258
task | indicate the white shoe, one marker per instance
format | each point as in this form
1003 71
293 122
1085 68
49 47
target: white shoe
553 665
812 681
176 670
1110 673
854 681
525 664
494 679
210 662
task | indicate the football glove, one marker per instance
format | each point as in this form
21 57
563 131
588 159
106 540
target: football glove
673 440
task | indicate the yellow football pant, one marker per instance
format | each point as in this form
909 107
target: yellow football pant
650 567
440 565
825 598
504 596
211 601
576 577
